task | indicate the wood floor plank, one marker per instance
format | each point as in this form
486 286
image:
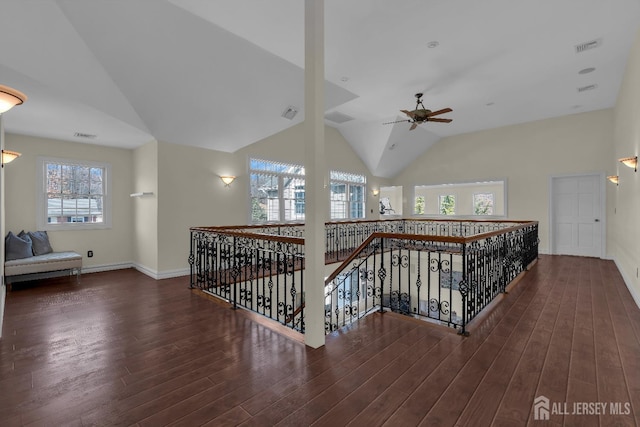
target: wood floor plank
124 349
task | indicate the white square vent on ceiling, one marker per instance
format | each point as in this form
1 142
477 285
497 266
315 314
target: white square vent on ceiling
586 88
290 112
592 44
337 117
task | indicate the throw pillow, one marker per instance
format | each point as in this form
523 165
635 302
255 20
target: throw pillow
41 243
17 247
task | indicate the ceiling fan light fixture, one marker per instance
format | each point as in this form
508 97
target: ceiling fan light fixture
9 98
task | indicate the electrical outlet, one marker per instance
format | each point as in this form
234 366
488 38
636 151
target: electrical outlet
89 254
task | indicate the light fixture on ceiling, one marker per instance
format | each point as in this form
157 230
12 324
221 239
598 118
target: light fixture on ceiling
9 156
433 44
227 179
9 98
631 162
587 70
614 178
290 112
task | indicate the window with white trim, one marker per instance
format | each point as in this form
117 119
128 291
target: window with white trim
276 191
73 194
483 203
348 192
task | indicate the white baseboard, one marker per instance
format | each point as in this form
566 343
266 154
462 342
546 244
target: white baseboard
106 267
154 274
632 291
159 275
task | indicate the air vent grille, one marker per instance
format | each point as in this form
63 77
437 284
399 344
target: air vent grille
337 117
84 135
592 44
586 88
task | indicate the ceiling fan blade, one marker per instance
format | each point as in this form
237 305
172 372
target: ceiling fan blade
440 120
435 113
409 113
413 126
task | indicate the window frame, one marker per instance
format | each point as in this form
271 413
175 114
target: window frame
463 204
483 193
41 196
349 180
297 203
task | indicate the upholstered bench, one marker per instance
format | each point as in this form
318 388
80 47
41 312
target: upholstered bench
53 261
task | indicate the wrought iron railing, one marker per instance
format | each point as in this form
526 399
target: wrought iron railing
449 279
447 271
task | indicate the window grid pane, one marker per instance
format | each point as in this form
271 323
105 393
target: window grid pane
74 193
347 197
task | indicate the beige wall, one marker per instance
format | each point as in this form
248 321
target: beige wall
190 192
112 246
145 209
624 229
526 155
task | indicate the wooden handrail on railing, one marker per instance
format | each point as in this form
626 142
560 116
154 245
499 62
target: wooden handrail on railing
240 262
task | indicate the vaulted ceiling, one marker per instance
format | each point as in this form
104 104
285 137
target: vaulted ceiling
219 73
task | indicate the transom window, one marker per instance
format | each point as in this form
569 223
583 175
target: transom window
73 195
347 195
466 199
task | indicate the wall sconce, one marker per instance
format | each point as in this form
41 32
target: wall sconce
375 192
9 156
631 162
227 179
9 98
614 178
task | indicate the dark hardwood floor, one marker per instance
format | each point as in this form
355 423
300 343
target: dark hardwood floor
123 349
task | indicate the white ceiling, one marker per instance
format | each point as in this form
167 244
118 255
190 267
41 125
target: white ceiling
219 73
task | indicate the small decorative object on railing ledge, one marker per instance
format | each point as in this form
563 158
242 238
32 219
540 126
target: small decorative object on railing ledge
443 270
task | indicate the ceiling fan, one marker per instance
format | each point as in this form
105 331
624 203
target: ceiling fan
421 114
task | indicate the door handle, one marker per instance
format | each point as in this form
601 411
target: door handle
597 220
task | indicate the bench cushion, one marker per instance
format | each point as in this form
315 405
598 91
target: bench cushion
43 263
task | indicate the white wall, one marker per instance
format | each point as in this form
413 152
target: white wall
624 207
525 154
110 246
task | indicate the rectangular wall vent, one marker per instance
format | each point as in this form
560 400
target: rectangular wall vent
337 117
84 135
586 88
588 45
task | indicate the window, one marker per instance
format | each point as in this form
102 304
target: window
483 203
419 207
73 195
464 199
277 191
447 204
347 195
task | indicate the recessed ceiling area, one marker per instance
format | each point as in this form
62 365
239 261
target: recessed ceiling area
220 74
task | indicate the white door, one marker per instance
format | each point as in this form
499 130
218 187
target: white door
577 215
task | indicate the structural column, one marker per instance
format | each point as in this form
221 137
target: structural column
316 196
